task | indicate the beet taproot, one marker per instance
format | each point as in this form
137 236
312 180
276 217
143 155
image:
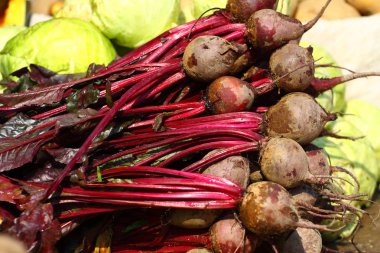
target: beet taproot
229 94
297 116
229 236
208 57
293 67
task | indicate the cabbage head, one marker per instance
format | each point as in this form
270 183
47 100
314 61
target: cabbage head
201 6
359 156
129 23
7 33
62 45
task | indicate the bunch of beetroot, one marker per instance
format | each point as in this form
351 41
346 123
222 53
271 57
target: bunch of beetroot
198 141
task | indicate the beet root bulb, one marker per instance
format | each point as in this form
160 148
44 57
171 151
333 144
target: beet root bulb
268 29
208 57
229 94
296 116
267 209
284 162
303 240
229 236
292 67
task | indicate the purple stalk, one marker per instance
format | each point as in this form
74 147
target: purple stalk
227 185
156 89
132 92
193 204
74 193
200 147
179 147
220 155
188 114
148 184
182 135
321 85
160 108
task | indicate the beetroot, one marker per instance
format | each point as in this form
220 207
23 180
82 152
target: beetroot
303 240
304 193
229 94
229 236
297 116
267 209
234 168
209 57
284 161
318 163
268 29
293 67
241 10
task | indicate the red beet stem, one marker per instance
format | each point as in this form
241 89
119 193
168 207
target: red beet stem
133 91
150 170
179 135
193 204
74 193
160 108
187 114
132 184
253 146
170 149
321 85
200 147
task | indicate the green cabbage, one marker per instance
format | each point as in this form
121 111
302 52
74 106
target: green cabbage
128 23
366 117
76 9
361 156
200 6
8 32
286 7
62 45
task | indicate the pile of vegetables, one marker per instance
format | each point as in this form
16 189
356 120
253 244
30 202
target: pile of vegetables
197 141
